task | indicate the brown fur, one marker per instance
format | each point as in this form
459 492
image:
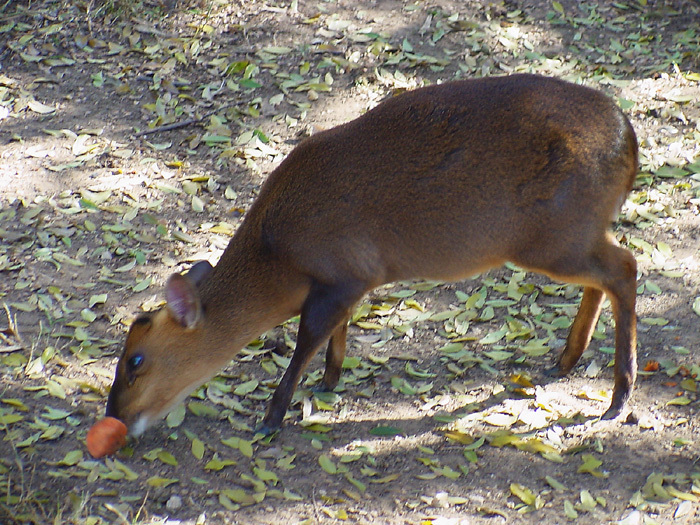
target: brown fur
440 183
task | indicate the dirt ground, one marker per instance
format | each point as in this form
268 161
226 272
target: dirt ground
134 137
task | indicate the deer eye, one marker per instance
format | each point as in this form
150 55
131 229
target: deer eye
134 362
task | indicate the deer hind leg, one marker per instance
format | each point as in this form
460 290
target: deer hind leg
335 354
612 270
621 287
581 330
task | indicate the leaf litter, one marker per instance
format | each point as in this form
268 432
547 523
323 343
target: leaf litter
443 386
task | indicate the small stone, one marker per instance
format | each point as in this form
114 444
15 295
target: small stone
683 509
174 503
440 500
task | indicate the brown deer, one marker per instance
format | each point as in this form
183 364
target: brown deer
438 183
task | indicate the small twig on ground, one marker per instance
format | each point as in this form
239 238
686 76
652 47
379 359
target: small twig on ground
142 507
178 125
12 330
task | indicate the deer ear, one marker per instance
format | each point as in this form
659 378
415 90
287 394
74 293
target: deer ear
199 271
183 301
